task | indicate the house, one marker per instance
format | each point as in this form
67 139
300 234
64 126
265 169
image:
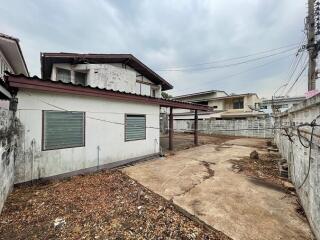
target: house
11 60
279 104
222 105
87 112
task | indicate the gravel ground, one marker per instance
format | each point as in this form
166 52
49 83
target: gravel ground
104 205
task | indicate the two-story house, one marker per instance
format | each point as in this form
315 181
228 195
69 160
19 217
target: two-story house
88 111
11 60
222 105
279 104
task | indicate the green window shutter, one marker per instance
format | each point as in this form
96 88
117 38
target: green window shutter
135 127
63 129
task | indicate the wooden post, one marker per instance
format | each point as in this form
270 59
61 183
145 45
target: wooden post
171 130
196 127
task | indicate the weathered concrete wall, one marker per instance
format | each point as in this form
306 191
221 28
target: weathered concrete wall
7 149
298 157
261 128
111 76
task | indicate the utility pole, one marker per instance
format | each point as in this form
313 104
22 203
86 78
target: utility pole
312 47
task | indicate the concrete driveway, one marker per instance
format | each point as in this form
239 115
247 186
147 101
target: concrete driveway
201 181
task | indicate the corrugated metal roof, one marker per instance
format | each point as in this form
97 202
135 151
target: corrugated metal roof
22 81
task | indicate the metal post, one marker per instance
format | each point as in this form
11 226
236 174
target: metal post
171 130
196 127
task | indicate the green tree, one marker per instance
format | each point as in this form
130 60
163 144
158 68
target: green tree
166 95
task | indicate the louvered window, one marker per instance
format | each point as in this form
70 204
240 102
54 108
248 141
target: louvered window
63 129
135 127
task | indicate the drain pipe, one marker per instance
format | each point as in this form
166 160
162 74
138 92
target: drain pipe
98 160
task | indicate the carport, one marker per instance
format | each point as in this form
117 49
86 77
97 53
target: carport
183 105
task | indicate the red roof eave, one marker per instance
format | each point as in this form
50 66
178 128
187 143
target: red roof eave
35 83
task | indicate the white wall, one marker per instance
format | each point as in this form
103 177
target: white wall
33 163
298 157
4 65
111 76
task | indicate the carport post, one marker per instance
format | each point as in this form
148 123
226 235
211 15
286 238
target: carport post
171 130
196 127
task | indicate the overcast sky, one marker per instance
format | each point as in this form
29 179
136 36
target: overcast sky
168 34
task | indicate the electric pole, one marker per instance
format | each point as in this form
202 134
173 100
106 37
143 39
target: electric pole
312 46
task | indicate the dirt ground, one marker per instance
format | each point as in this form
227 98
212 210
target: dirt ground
222 186
183 141
104 205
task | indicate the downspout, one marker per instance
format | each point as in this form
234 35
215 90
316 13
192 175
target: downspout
98 160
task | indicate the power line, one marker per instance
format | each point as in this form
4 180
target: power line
294 64
298 77
225 65
233 58
241 72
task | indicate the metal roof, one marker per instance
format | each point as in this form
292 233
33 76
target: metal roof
48 59
198 93
15 82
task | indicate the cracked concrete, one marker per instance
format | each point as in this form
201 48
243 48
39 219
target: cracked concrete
201 181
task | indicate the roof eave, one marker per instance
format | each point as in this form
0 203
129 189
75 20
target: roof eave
19 81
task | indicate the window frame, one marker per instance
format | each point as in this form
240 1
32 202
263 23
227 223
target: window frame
238 101
125 125
80 72
43 131
63 69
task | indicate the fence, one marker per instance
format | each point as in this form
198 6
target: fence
261 128
303 160
6 155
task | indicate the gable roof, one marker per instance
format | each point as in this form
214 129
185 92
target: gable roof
15 82
11 49
48 59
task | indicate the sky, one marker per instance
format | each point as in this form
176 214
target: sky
170 35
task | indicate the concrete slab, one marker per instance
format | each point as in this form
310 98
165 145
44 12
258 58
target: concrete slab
201 181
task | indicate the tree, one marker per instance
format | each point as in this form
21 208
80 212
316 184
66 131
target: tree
165 95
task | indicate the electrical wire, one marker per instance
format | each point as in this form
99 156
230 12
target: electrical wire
313 124
229 59
297 78
241 72
226 65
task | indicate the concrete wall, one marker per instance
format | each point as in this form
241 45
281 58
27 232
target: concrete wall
7 149
298 157
261 128
32 163
111 76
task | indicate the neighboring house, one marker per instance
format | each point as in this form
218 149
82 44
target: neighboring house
279 104
88 111
11 60
223 106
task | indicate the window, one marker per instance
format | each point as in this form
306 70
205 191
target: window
80 78
63 75
215 107
153 93
62 129
238 103
135 127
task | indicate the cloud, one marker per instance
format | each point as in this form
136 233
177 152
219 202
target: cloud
164 34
